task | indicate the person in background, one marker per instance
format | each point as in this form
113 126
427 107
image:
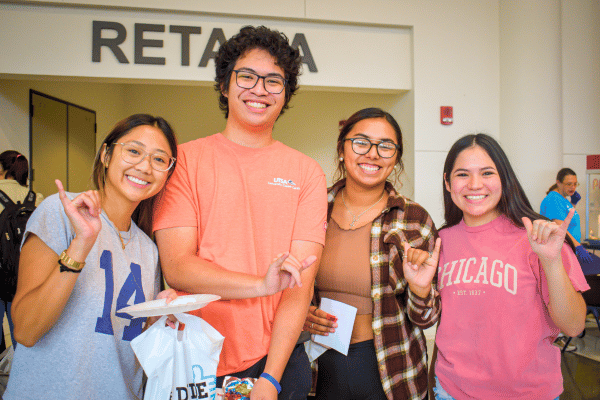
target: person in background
84 257
555 207
14 174
509 283
239 198
380 256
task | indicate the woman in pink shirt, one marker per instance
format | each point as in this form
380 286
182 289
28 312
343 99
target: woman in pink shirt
509 283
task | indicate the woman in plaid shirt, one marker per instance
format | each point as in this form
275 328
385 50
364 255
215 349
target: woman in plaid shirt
380 256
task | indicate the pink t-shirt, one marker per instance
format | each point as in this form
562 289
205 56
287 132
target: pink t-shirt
495 335
248 205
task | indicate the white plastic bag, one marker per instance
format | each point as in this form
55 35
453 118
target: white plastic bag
180 365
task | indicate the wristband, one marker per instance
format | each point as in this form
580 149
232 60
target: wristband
272 380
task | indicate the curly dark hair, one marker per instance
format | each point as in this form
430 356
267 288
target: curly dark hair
250 38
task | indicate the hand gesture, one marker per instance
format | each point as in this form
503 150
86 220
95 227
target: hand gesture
83 212
419 267
284 272
546 237
318 322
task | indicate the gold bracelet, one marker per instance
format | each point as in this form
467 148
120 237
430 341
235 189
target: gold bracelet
65 261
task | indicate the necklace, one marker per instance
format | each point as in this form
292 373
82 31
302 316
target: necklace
123 244
355 218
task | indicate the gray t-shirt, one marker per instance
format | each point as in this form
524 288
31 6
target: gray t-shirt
87 353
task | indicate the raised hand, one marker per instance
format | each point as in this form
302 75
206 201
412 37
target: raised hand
419 267
284 272
318 322
83 212
546 237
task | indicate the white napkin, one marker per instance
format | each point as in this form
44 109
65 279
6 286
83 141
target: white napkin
340 339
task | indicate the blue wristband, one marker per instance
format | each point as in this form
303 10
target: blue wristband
272 380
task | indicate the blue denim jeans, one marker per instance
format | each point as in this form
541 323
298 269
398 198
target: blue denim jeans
441 394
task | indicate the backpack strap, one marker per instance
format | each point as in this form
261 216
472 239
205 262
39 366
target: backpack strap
5 200
30 199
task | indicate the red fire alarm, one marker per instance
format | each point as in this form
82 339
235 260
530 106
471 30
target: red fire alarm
446 115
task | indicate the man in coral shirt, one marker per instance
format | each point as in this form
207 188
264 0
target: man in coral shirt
237 201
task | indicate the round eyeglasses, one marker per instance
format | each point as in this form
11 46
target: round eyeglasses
363 146
132 154
273 84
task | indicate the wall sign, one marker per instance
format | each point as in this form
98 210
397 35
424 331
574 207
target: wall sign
150 45
111 35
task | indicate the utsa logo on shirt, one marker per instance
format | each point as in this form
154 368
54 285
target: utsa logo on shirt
478 271
287 183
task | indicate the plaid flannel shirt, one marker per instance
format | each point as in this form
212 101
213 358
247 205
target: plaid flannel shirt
399 315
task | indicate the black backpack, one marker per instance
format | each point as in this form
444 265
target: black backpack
13 220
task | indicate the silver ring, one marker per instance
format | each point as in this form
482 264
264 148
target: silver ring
311 325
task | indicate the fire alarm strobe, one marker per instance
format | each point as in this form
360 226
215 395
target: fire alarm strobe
446 115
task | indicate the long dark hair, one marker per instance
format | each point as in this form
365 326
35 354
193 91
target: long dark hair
15 165
143 213
513 201
366 113
561 177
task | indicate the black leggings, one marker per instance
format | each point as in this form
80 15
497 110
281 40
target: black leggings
352 377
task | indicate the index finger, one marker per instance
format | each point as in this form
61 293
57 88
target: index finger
61 189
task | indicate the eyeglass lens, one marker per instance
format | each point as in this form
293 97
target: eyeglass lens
363 146
134 155
247 80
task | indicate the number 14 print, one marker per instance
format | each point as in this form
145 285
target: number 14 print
133 284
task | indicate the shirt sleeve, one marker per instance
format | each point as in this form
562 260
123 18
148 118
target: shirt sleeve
425 312
50 223
312 209
572 268
176 205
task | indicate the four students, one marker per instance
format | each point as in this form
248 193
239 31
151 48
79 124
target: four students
244 216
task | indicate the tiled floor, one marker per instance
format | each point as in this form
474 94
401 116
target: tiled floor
581 374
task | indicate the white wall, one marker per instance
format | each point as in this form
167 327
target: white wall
580 89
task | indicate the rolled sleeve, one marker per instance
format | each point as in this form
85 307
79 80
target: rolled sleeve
424 312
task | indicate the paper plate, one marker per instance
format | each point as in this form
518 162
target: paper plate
154 308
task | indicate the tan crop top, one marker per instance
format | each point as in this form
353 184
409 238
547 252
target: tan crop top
345 272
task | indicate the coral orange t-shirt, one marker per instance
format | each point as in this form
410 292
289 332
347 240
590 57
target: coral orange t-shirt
248 206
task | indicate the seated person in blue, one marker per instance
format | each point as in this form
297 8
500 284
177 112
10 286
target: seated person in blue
555 206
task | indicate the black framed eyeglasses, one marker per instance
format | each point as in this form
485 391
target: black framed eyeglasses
273 84
363 146
132 154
